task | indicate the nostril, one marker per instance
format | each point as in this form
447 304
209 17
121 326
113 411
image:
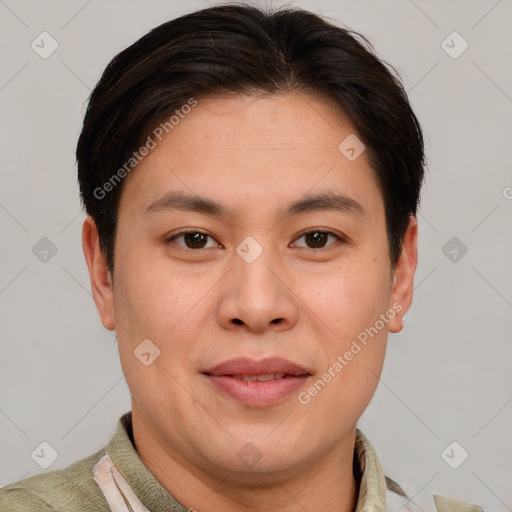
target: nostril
237 321
276 321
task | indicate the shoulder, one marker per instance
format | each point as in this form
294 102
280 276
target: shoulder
58 490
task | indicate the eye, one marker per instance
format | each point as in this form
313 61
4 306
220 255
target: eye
193 240
317 239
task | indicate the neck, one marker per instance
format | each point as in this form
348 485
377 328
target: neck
325 484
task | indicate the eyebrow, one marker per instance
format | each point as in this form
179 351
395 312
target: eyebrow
175 200
186 202
324 202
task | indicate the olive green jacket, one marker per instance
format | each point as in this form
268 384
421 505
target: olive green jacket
115 479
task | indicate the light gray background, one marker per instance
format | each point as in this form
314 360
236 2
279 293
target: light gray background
447 376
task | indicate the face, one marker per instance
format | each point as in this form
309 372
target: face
253 254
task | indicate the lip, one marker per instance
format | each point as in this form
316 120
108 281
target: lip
257 393
246 366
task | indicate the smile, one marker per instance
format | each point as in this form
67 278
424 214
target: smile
264 377
257 383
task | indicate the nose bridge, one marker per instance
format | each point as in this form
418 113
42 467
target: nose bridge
258 296
256 283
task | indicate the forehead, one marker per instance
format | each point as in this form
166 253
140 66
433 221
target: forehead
269 148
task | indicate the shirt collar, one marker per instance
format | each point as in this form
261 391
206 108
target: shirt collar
372 484
147 488
121 450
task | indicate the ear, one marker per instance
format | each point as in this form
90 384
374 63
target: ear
101 279
403 279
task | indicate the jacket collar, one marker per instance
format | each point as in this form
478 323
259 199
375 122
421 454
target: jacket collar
127 483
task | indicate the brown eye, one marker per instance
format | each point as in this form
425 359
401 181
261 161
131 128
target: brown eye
193 240
317 239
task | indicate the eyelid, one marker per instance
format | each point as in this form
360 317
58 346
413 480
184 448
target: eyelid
339 236
170 238
187 230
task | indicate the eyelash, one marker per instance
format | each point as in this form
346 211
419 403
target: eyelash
339 238
181 233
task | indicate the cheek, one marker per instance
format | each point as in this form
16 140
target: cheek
346 299
150 297
151 305
347 306
156 302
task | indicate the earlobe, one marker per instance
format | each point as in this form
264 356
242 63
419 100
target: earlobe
101 279
403 279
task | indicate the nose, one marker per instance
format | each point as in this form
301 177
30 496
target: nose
258 296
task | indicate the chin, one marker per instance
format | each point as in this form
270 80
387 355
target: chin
248 461
264 471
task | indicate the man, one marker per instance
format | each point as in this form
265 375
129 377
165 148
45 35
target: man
252 181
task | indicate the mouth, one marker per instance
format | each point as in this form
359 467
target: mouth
257 383
263 377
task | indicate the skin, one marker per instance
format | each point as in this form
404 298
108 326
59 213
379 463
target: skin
254 155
